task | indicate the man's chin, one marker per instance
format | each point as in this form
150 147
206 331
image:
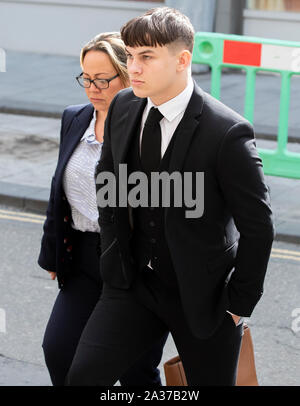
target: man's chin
139 92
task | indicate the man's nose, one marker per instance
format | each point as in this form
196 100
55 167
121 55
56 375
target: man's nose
134 67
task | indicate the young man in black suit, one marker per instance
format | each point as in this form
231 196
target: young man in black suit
197 273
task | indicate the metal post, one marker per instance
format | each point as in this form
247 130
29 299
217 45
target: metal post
202 16
285 96
250 94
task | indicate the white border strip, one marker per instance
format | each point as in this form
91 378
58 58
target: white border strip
2 321
2 60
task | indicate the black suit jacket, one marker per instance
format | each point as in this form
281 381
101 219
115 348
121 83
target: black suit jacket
235 231
56 245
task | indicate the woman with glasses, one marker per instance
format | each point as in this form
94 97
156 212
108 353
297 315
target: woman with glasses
71 246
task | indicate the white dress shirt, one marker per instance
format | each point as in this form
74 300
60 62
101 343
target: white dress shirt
79 181
173 111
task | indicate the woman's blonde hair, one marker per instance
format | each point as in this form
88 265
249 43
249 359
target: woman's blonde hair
111 44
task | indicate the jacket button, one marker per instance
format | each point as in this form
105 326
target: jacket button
153 240
69 249
65 241
66 219
152 224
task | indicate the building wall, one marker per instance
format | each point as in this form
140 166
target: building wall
229 16
272 24
62 27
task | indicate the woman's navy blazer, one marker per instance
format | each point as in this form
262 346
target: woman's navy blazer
56 245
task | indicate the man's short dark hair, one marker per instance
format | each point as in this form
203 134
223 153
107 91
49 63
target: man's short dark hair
159 27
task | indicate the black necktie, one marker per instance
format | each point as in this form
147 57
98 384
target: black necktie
151 142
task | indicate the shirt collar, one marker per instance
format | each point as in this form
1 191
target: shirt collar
89 136
172 108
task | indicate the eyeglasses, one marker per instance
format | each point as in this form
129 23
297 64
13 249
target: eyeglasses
99 83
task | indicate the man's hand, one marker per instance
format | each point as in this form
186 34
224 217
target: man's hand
52 274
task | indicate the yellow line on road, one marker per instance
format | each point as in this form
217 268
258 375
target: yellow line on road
38 219
279 251
30 215
285 257
23 219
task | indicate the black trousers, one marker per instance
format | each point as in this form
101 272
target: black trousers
126 323
71 311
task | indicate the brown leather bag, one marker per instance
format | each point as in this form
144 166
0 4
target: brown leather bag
246 376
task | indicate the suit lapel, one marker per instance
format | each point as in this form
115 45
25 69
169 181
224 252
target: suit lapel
78 126
186 129
132 125
132 122
185 132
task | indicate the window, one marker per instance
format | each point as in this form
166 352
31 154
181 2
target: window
275 5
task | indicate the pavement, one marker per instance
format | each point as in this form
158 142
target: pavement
33 94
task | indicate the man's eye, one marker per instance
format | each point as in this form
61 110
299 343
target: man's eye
146 56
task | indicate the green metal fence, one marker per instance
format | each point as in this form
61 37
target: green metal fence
252 55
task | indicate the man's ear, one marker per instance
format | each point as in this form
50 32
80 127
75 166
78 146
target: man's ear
184 60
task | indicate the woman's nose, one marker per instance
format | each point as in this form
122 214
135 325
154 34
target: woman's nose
94 87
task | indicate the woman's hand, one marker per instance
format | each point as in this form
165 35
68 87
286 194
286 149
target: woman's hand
236 318
52 274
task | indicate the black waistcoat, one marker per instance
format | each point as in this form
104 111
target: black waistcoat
148 241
